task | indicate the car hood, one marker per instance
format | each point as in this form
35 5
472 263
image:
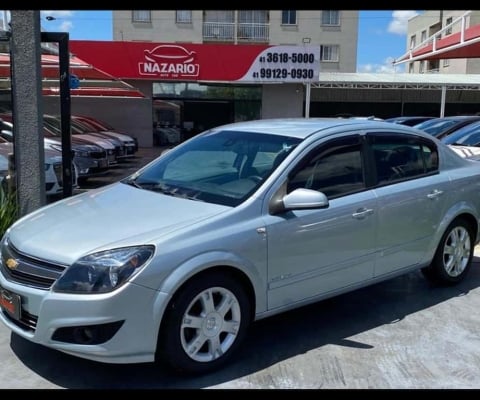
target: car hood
113 216
466 151
105 143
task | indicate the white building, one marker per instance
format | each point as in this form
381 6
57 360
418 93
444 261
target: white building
336 31
440 24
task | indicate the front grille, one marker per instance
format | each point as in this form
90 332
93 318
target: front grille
27 321
98 154
30 271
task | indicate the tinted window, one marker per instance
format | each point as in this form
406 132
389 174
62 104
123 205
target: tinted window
335 169
397 157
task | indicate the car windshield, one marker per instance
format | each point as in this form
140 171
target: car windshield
468 136
221 167
436 127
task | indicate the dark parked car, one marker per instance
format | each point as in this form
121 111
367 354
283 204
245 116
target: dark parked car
237 224
408 120
442 127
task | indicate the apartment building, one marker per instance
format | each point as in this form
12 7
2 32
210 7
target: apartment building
440 24
336 31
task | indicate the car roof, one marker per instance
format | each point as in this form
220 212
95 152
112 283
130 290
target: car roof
409 117
460 118
303 127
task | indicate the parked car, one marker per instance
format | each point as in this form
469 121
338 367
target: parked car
53 170
442 127
90 160
129 144
4 171
282 213
466 140
409 120
53 124
80 127
105 126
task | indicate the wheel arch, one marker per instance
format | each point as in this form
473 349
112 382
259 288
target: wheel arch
233 272
460 210
248 273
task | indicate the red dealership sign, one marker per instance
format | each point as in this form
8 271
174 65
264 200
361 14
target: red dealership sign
201 62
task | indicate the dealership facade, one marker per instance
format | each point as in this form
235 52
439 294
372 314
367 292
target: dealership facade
218 83
221 67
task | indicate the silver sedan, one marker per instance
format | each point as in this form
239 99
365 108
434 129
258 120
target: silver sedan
237 224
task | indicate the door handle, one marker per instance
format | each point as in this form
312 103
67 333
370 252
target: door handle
436 193
362 213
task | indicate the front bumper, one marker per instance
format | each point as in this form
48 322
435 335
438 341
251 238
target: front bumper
135 306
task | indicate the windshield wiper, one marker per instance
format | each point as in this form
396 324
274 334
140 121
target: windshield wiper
132 182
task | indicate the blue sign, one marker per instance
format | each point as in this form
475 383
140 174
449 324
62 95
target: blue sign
74 82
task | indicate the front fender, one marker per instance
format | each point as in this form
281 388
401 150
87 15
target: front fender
203 262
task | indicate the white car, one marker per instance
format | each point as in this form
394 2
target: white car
53 169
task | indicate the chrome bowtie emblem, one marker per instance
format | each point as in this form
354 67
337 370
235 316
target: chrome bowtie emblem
11 264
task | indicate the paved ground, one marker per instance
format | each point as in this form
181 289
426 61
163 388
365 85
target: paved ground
400 334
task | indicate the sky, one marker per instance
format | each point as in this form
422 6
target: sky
381 34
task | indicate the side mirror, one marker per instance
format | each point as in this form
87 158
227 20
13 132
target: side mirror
299 199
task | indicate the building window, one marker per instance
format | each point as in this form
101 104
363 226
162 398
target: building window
183 16
413 41
330 17
422 67
446 63
221 16
219 25
289 17
424 36
448 21
410 68
252 16
329 52
253 25
141 16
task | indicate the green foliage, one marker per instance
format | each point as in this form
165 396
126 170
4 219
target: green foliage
8 210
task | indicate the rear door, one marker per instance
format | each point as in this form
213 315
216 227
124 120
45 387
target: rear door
412 197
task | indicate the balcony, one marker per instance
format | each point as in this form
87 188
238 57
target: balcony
235 33
253 32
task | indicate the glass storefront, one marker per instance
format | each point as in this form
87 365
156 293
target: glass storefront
183 109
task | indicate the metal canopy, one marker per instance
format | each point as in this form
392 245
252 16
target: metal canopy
341 80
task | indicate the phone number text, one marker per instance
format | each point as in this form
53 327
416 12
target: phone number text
284 73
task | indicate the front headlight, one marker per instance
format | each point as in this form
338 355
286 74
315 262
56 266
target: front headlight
104 271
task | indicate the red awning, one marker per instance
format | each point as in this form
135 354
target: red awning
451 46
93 81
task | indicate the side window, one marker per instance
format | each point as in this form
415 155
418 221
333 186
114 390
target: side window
398 157
335 169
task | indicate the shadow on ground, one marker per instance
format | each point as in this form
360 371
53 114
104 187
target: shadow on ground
270 341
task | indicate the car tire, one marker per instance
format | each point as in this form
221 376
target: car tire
218 309
453 257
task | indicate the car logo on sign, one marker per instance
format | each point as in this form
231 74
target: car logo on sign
12 264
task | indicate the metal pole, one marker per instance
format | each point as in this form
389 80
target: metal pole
65 106
442 103
308 87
